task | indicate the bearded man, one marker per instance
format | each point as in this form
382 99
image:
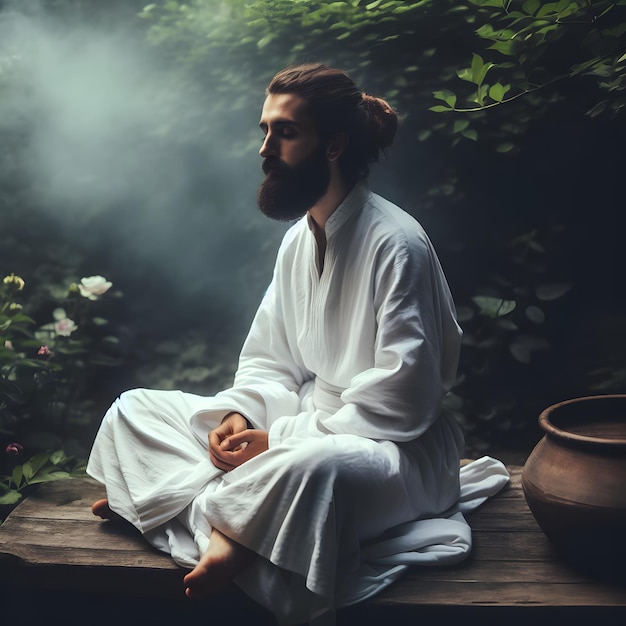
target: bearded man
328 467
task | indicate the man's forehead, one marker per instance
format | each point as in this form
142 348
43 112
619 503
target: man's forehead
285 107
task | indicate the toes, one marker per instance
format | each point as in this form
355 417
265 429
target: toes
101 508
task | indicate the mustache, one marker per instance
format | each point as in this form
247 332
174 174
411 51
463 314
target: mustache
274 164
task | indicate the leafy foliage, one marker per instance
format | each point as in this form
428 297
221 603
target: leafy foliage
47 373
410 52
41 468
527 50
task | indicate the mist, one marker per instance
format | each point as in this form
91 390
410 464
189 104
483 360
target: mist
133 163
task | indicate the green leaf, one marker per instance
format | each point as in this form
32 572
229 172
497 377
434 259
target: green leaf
440 108
447 96
11 497
17 475
498 91
38 461
504 47
479 69
535 314
481 94
546 9
49 477
622 58
489 3
460 126
58 457
27 471
494 307
552 291
265 41
476 67
531 6
401 10
505 147
465 74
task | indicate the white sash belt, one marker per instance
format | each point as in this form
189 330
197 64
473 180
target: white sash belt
327 397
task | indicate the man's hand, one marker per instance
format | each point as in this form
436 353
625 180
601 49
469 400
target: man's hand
233 443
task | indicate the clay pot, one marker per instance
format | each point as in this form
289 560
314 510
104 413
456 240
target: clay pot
574 482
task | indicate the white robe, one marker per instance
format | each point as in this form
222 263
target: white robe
346 369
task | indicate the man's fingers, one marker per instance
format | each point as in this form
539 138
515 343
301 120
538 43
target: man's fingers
235 441
220 464
229 457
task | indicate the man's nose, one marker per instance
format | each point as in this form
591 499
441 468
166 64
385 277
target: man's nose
268 148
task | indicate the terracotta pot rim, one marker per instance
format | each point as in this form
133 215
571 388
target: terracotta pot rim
559 433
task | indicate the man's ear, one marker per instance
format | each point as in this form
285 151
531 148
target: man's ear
336 145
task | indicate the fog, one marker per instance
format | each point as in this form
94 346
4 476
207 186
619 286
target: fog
131 161
116 162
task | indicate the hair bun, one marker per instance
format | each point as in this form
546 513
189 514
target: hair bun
380 119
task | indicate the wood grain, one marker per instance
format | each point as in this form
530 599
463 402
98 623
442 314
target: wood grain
52 541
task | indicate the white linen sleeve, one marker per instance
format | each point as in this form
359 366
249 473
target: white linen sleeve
268 378
416 350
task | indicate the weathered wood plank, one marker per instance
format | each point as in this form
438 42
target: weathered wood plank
487 593
74 534
93 557
493 571
52 541
509 545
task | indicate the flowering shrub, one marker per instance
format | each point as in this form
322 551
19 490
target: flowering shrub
47 375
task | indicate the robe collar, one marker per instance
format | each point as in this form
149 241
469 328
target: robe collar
350 206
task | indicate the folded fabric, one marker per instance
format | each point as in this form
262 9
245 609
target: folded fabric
440 541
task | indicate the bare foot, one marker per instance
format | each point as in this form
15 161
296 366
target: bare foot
101 508
217 567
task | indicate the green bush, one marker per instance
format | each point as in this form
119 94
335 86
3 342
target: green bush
47 373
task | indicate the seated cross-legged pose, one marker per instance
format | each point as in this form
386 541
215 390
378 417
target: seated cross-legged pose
328 467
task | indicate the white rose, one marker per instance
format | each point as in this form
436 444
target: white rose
93 286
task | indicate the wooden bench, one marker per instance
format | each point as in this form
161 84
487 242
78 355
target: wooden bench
55 554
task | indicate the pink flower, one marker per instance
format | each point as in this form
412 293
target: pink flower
44 351
63 325
14 448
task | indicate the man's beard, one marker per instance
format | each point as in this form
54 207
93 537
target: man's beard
287 193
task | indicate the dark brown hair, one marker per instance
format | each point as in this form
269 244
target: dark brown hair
337 105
